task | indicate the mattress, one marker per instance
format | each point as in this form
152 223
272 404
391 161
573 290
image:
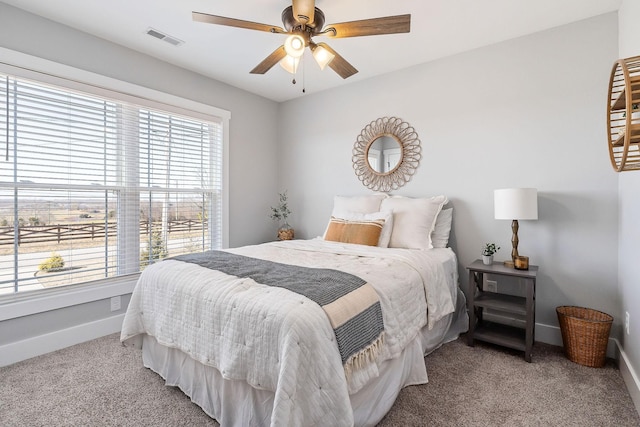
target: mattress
251 376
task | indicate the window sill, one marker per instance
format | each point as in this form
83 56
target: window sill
33 302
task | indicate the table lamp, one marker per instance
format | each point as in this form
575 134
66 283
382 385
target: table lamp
515 204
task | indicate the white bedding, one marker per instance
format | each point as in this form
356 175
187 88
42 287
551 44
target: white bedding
282 342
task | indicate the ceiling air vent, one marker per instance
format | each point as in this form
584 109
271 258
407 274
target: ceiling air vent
164 37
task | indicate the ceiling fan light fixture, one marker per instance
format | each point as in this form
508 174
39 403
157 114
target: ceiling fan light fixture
290 64
294 45
302 21
322 56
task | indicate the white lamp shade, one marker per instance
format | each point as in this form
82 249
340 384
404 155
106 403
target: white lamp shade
290 64
516 203
322 56
294 46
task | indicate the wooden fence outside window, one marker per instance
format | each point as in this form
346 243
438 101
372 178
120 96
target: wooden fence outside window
57 233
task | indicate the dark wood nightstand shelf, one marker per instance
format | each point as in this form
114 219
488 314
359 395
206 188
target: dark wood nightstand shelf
504 335
508 303
477 300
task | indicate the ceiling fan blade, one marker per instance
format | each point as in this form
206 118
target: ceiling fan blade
270 61
370 27
339 64
232 22
303 11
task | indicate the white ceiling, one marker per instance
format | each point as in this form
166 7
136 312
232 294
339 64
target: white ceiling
438 28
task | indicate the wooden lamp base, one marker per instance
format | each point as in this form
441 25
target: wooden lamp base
514 244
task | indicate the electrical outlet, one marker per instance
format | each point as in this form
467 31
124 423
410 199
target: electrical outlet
626 322
491 286
115 303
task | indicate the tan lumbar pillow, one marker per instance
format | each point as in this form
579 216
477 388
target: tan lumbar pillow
360 232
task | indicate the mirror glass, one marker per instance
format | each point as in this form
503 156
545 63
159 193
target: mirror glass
384 154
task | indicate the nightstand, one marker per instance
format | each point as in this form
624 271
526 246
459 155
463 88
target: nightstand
478 300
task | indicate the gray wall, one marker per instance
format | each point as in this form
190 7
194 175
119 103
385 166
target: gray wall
629 192
253 160
523 113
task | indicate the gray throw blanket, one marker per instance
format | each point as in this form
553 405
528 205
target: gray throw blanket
351 304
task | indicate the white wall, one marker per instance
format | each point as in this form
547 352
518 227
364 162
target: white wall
524 113
629 231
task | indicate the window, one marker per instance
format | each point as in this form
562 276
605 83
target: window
94 187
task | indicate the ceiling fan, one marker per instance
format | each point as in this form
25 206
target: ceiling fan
302 21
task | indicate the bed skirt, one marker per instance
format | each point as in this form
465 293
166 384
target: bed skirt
235 403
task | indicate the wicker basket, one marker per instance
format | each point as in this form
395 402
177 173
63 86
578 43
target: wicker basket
585 334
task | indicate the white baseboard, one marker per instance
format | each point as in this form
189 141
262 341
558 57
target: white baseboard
551 335
42 344
548 334
629 376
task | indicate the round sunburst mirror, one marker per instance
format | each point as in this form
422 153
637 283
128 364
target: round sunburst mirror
386 154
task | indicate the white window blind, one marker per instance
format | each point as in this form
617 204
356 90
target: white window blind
107 187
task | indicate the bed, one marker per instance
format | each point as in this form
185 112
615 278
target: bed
250 351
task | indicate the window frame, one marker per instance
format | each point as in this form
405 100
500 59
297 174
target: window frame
45 71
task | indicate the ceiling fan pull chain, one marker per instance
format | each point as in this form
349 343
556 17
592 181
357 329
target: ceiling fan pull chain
300 64
295 72
304 90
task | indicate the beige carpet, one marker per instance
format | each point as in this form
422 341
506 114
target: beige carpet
101 383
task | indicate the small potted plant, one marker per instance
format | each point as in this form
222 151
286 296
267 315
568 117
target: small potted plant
281 213
487 253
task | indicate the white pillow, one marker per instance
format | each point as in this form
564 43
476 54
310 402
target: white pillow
440 234
413 220
357 204
387 228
